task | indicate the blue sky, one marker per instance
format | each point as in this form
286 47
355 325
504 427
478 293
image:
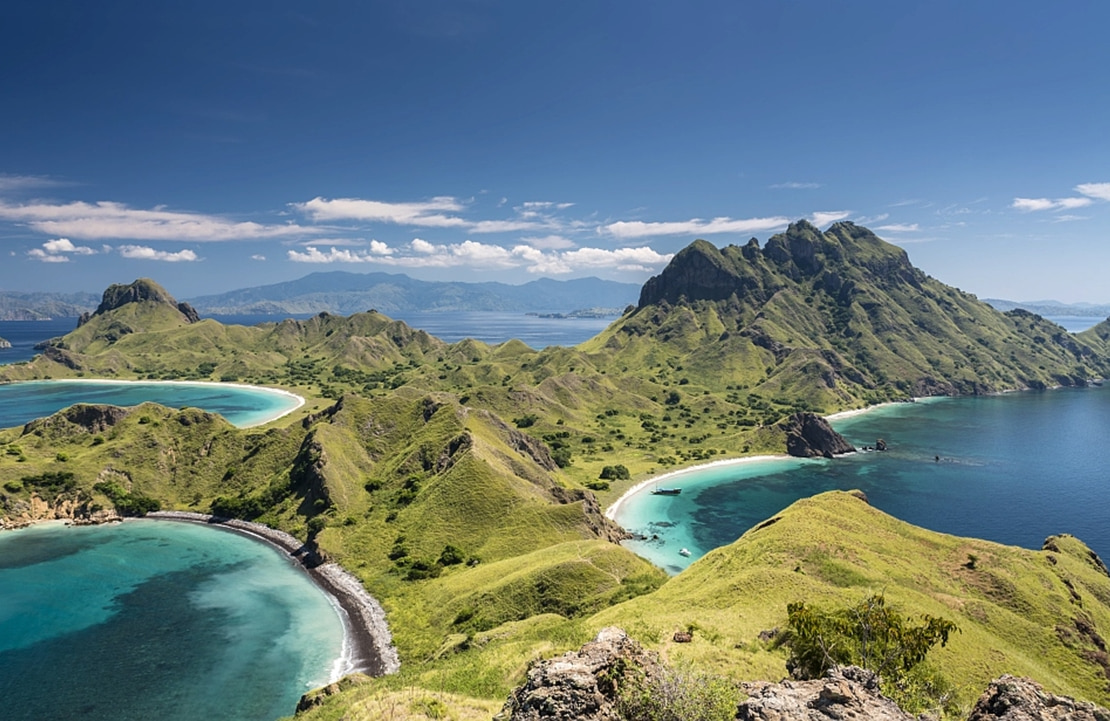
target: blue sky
214 146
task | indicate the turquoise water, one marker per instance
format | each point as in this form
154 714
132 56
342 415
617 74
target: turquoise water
240 405
157 620
1014 468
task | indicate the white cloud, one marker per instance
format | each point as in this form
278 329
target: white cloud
41 255
258 257
695 226
794 186
1101 191
486 256
10 183
508 226
829 216
55 251
427 214
1030 205
900 228
869 219
107 220
140 252
379 248
65 245
422 246
550 242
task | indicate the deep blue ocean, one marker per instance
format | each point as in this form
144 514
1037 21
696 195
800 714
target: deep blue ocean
1012 468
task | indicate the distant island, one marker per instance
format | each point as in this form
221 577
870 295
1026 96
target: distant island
344 293
582 313
464 484
45 306
1053 307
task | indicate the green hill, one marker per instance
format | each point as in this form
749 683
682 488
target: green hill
834 319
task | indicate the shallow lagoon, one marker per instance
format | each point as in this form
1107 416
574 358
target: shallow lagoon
155 619
241 405
1014 468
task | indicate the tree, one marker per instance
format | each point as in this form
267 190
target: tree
869 634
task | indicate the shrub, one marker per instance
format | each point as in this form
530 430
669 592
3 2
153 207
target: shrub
526 421
675 695
869 634
615 473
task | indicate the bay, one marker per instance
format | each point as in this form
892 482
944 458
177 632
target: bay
1012 468
155 619
241 405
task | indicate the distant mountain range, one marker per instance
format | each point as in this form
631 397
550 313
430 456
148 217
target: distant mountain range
44 306
345 293
1052 307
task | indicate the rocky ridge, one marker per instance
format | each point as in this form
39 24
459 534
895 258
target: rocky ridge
585 685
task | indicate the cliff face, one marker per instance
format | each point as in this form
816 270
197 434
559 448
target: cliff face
142 290
808 436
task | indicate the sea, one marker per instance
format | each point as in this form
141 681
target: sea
1013 468
157 620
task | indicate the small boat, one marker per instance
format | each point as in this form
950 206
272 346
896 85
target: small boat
666 491
684 552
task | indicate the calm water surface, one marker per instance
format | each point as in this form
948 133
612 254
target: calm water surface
157 620
1014 468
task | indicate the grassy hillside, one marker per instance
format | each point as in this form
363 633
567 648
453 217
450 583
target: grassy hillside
461 482
1043 614
831 320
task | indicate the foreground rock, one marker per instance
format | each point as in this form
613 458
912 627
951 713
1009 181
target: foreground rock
1021 699
580 684
585 685
845 693
810 436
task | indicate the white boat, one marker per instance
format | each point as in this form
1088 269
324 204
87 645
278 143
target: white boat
684 552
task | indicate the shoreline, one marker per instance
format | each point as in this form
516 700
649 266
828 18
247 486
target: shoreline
614 508
299 401
367 643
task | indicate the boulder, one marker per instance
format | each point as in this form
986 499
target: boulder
1010 698
849 692
581 685
809 436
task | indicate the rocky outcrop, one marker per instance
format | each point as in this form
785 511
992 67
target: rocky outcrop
845 693
1010 698
810 436
88 418
582 684
75 509
142 290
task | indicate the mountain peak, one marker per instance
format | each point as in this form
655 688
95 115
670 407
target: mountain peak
142 290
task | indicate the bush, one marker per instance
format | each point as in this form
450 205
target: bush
676 695
869 634
615 473
526 421
451 556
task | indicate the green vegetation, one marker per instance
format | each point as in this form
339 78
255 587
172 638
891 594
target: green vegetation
873 636
463 483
